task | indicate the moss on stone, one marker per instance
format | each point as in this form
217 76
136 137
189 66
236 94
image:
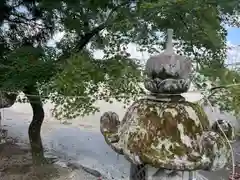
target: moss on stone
165 134
163 139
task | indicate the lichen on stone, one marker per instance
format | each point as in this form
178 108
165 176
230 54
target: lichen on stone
217 149
224 128
165 135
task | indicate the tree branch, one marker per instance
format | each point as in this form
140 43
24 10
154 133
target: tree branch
21 19
88 36
214 90
3 66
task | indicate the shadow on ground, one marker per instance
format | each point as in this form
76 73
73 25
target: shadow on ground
16 164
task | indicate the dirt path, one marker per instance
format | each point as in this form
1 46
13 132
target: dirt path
16 164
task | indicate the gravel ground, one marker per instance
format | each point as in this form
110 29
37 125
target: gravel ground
16 164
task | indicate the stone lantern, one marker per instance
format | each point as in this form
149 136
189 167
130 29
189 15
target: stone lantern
163 133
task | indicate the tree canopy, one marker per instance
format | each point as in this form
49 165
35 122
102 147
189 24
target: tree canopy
222 87
70 69
29 65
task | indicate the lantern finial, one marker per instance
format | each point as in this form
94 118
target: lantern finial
168 72
169 45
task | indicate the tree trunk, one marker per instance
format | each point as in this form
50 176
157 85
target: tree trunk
34 130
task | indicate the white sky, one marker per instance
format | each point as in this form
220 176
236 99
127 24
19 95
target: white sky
233 55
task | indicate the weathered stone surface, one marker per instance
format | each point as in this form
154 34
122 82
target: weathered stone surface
224 128
3 135
170 86
216 148
7 99
109 124
168 72
165 174
165 135
163 130
168 65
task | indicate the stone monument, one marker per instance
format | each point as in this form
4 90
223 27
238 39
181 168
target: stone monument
162 134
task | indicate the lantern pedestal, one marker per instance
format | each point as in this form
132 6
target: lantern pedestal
161 174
